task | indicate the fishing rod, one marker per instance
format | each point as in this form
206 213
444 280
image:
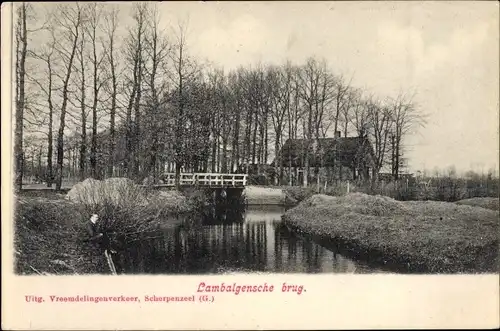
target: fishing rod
154 237
122 234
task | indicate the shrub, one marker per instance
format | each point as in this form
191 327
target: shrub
395 190
488 203
298 193
123 206
449 189
195 198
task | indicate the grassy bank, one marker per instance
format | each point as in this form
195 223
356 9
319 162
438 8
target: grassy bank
49 230
48 237
417 236
266 195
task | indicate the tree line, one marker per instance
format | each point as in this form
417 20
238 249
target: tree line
98 98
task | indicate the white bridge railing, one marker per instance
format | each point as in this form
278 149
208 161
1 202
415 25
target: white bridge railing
206 179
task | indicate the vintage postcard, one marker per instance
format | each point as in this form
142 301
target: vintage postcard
250 165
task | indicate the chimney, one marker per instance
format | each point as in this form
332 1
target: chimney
338 134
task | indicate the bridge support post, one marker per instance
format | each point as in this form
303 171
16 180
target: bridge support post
227 196
234 196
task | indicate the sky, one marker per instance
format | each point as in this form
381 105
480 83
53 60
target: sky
445 53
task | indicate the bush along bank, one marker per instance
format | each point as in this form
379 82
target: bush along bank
442 189
488 203
414 236
50 236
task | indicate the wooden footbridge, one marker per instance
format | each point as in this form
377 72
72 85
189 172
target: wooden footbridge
225 188
208 180
226 184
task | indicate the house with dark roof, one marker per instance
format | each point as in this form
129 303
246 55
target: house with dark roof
338 158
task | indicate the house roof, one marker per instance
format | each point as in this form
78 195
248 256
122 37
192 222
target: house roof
347 151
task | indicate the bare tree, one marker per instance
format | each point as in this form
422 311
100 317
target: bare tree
179 63
405 117
184 70
226 112
265 101
96 60
235 84
169 112
110 29
45 82
283 80
215 78
309 87
254 104
82 166
50 133
380 121
21 52
68 19
342 99
294 115
134 55
354 99
156 52
313 87
361 114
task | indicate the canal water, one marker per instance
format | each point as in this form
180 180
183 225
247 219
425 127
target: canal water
253 239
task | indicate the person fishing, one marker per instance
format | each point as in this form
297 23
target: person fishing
99 239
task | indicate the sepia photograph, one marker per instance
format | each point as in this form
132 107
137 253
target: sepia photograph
187 138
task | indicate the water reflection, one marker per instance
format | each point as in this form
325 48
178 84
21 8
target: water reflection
232 240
